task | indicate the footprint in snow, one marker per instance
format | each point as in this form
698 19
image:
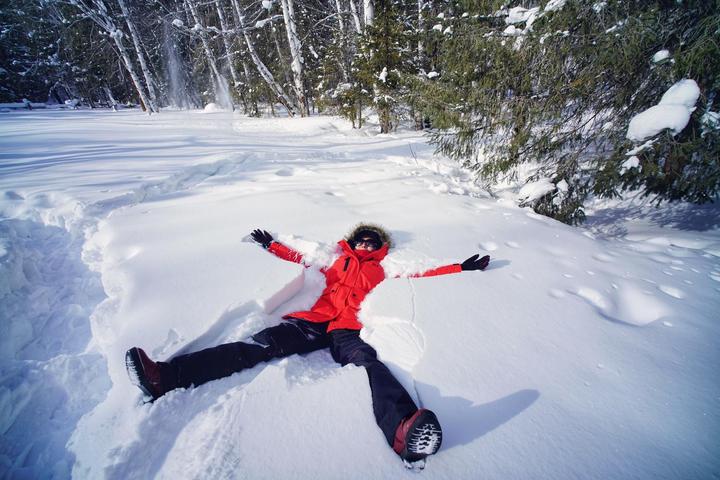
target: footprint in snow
602 257
593 297
285 172
10 195
488 246
672 291
556 293
660 258
512 244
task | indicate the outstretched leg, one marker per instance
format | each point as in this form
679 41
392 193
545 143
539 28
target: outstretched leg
196 368
413 434
391 402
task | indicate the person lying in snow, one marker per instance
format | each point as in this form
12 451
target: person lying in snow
331 323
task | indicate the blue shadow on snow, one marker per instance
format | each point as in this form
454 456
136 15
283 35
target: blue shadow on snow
464 421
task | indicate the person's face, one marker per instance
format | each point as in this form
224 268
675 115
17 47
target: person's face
366 243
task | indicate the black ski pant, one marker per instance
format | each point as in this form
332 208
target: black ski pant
391 402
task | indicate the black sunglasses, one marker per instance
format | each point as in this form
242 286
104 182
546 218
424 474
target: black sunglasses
371 242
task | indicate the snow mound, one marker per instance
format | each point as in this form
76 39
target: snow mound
213 107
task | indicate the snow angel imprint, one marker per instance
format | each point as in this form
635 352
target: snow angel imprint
332 323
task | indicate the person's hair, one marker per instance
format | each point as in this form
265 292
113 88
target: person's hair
382 234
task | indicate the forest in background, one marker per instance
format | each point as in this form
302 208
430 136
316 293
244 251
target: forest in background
540 92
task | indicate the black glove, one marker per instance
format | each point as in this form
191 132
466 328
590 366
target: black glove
475 263
262 237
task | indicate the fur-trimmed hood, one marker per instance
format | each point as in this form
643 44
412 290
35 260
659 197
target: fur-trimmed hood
373 227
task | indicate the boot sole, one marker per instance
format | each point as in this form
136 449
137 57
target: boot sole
136 372
423 438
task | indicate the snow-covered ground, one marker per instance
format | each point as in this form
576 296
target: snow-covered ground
579 353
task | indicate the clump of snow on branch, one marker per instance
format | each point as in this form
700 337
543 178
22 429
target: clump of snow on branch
599 6
521 15
554 5
632 162
535 190
383 75
660 56
673 112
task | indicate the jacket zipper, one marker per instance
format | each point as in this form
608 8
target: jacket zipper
347 262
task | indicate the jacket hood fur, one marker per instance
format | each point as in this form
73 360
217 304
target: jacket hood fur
373 227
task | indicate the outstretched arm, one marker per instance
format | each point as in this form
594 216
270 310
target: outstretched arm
472 263
267 241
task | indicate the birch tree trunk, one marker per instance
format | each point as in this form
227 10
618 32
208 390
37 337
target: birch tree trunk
343 41
421 32
356 17
341 21
369 12
149 81
296 64
117 37
260 66
228 46
212 62
100 14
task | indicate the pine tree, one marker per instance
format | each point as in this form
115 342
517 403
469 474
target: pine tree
554 89
383 63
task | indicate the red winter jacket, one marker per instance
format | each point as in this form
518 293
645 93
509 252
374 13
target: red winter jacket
348 281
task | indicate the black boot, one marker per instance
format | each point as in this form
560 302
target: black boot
148 376
418 436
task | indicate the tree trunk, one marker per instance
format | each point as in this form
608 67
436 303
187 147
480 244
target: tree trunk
117 37
251 106
228 46
260 66
219 82
344 64
296 65
369 12
149 81
356 17
341 21
421 33
100 15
